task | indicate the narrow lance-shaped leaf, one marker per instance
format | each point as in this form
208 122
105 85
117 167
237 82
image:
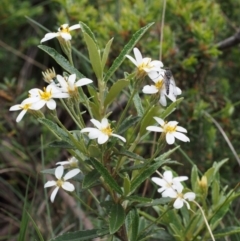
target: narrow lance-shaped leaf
61 61
106 52
81 235
105 174
117 217
87 30
115 90
94 55
127 48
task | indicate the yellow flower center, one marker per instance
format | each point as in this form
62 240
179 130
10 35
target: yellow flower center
60 182
168 128
64 29
107 130
144 65
45 95
26 106
159 84
180 195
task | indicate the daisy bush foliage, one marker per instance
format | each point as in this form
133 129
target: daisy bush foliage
103 146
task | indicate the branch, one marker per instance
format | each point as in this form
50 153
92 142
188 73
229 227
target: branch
229 42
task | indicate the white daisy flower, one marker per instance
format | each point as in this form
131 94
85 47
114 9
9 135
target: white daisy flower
168 182
170 129
40 98
72 162
144 65
63 32
61 181
70 85
180 197
102 132
26 105
160 88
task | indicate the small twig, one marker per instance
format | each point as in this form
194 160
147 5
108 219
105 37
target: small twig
224 136
229 42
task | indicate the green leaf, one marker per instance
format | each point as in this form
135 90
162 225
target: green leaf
61 61
94 94
90 179
127 123
105 174
138 199
171 108
81 235
215 191
94 55
165 155
194 179
115 90
117 217
86 29
155 202
195 224
131 155
126 185
127 48
224 232
61 144
62 134
137 102
143 175
106 52
134 223
148 119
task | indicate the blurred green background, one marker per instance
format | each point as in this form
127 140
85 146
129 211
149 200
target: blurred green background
206 71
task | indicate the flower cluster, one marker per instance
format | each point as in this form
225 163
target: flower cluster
172 187
64 88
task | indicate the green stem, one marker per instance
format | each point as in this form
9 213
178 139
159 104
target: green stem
126 108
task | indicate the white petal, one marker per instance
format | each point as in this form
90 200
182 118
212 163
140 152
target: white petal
60 95
88 129
178 203
50 184
16 107
96 123
20 116
132 59
190 196
138 56
49 36
168 176
180 179
181 137
177 91
159 121
120 137
54 193
181 129
62 81
72 79
155 75
95 133
172 123
71 173
102 138
171 96
68 186
170 138
38 105
169 192
35 92
51 104
83 81
104 123
66 36
149 89
63 163
157 63
75 26
159 181
59 172
154 128
163 100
